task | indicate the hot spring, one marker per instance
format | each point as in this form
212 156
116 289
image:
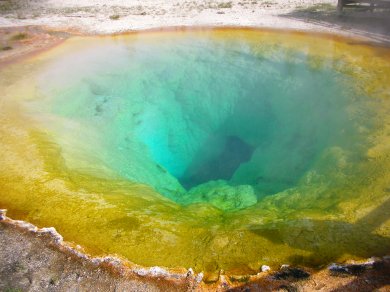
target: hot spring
216 149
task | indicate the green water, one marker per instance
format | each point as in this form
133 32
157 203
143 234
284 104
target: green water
199 120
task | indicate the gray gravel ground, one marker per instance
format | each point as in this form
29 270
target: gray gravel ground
28 263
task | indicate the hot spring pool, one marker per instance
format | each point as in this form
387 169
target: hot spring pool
217 149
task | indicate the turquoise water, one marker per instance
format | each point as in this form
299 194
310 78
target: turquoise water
199 120
217 149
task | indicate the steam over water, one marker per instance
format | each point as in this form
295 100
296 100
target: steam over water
194 113
218 149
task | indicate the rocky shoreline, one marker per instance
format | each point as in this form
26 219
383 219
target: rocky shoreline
37 258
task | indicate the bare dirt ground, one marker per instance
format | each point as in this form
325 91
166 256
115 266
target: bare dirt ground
31 262
102 16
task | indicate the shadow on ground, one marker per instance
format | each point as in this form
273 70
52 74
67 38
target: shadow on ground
329 240
374 24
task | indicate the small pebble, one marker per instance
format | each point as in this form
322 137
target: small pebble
284 267
265 268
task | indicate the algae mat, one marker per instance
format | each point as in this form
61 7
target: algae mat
216 149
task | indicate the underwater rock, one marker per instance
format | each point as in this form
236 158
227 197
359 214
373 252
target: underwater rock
239 278
211 278
350 269
223 196
291 273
